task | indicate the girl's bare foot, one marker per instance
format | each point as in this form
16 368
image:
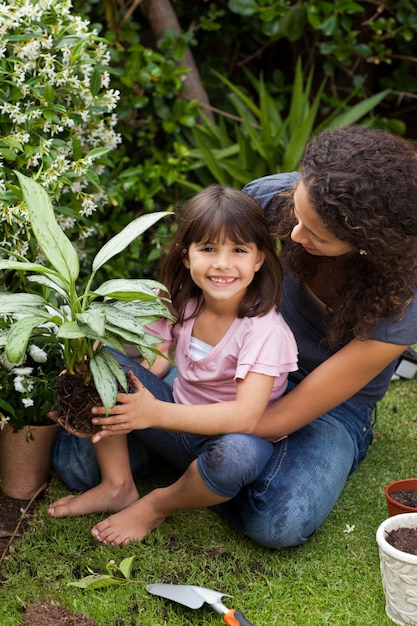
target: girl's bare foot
102 498
133 523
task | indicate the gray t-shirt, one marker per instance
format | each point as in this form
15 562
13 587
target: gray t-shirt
306 319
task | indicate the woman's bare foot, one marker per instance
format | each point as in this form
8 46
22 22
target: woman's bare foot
102 498
133 523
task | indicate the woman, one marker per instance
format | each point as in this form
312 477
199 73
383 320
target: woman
348 226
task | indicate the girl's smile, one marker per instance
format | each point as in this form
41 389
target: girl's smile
222 281
223 268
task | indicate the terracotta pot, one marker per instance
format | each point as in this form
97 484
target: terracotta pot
396 508
398 572
25 459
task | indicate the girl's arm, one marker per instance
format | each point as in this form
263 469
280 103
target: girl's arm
330 384
142 410
161 365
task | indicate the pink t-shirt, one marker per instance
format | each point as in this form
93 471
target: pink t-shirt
264 345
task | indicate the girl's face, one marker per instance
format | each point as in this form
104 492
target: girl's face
223 269
309 231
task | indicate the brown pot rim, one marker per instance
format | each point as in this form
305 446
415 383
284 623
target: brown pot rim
396 485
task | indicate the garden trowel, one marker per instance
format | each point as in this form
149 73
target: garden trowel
194 597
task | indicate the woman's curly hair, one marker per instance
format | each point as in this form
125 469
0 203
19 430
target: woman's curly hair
363 184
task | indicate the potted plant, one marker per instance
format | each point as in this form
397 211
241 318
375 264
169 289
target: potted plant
86 318
26 432
397 542
401 496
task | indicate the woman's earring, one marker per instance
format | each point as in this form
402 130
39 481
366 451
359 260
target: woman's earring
363 252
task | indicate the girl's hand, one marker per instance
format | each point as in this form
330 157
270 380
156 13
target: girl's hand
132 412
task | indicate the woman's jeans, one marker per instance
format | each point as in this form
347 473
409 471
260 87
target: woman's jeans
288 500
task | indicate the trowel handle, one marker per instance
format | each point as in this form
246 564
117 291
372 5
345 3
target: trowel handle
236 618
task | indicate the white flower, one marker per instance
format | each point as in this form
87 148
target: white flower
23 384
37 354
27 402
23 371
4 362
349 529
3 421
35 54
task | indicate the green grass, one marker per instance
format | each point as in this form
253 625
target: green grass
334 579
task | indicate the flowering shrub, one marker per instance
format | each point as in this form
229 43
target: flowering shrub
27 388
56 115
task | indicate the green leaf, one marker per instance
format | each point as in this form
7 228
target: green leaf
120 241
7 407
77 149
26 267
127 336
358 111
105 382
125 289
127 322
95 81
97 581
49 93
51 239
144 309
97 153
19 335
70 330
92 178
126 566
94 319
8 154
56 285
17 300
115 367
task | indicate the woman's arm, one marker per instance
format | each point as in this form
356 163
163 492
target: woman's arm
142 410
330 384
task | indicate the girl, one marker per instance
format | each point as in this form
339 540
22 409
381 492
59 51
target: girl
233 353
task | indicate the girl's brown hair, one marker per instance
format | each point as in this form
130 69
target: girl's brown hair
363 184
227 213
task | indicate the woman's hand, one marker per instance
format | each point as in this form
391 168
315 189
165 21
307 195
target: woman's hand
133 411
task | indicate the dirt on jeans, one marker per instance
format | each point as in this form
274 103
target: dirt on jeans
47 613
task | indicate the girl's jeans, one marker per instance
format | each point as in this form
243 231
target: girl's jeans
226 463
288 500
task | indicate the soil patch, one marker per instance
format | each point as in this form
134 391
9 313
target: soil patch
51 614
405 497
11 512
404 539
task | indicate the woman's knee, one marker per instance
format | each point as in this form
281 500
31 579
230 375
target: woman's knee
282 533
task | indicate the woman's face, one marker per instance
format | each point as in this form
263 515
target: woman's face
309 231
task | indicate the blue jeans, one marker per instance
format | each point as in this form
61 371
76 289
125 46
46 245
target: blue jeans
289 499
226 463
